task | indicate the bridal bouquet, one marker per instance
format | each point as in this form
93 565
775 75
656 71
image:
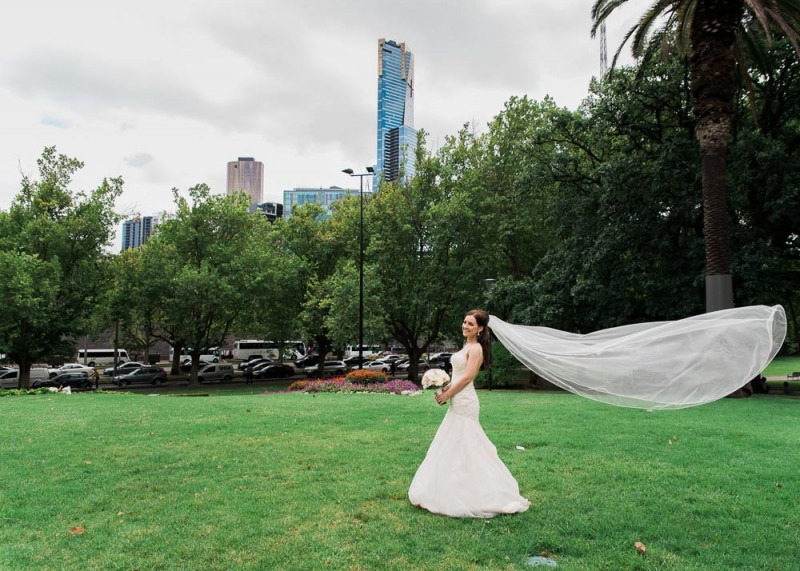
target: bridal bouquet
435 378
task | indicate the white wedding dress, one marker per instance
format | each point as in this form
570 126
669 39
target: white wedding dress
462 476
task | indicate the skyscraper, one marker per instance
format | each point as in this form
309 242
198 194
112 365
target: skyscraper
247 174
137 230
397 138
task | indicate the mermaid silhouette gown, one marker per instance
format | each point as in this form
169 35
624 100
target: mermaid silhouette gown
462 476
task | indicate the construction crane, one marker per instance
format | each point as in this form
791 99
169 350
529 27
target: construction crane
603 50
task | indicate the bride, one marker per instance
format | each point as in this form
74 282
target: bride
462 476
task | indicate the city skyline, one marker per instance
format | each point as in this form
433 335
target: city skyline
179 89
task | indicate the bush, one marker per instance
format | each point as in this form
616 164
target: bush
365 377
341 385
298 385
504 368
23 392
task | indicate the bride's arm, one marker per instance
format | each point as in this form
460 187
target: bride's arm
474 360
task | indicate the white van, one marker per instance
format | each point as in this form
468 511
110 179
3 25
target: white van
10 379
216 372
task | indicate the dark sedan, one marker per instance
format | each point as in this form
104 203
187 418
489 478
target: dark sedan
71 380
274 371
260 361
148 375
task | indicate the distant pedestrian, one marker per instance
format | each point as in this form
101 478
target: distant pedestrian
96 376
248 373
787 390
394 367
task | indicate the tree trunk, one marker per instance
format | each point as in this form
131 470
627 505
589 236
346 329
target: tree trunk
414 354
176 359
24 378
713 69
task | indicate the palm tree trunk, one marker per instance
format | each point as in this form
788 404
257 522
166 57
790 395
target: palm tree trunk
714 86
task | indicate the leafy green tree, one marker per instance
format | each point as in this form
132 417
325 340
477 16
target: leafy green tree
711 33
627 209
52 241
278 284
198 269
424 258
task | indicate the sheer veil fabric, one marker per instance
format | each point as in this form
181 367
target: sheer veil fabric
662 365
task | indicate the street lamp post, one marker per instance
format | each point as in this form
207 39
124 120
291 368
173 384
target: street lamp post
370 172
489 283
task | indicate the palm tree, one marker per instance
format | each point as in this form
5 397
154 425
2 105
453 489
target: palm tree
711 33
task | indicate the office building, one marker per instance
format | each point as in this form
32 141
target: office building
247 174
397 138
137 230
322 196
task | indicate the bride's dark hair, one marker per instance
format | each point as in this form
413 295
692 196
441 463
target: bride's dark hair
484 337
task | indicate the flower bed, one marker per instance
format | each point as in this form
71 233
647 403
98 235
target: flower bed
342 385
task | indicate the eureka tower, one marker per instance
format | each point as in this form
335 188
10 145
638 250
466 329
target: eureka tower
397 138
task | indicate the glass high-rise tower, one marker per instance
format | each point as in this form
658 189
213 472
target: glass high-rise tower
397 138
137 230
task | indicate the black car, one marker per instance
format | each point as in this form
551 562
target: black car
249 361
254 363
307 361
71 380
149 375
274 371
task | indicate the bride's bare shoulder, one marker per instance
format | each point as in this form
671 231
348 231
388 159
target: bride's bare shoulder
474 351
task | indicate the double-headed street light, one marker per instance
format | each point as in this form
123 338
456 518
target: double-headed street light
370 172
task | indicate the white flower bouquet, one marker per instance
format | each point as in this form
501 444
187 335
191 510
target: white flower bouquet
435 378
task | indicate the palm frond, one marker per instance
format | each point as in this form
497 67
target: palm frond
601 10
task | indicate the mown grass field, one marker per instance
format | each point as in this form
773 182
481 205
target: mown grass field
239 480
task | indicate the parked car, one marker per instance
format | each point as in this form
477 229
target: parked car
422 365
71 368
186 362
274 371
381 366
122 369
9 378
439 359
329 368
307 361
260 366
218 372
150 375
352 362
248 360
254 363
74 380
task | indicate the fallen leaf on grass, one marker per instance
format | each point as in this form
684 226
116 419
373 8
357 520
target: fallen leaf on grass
88 462
778 485
77 530
520 448
640 547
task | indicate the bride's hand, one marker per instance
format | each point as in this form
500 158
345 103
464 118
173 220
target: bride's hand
440 398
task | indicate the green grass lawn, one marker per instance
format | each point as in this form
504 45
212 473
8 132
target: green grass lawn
238 480
782 366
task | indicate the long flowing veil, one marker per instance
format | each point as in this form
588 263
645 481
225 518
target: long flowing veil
661 365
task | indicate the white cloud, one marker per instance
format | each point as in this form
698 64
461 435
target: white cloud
166 93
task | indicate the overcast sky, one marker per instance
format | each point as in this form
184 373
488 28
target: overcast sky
165 93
